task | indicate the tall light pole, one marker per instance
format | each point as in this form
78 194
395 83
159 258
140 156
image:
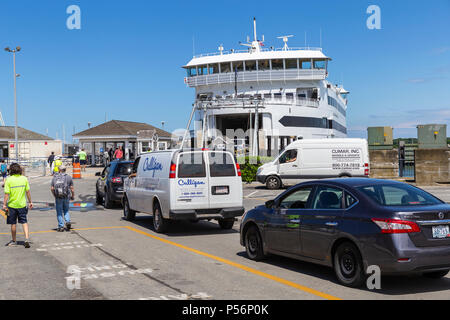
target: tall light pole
16 143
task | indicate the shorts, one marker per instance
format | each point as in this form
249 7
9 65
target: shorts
4 174
83 162
17 214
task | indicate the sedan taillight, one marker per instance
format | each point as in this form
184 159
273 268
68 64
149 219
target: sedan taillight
396 226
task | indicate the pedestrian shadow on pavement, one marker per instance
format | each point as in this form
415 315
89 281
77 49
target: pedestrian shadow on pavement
390 285
186 228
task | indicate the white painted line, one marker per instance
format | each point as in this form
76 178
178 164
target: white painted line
249 195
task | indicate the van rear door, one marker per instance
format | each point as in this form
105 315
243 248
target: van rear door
225 183
191 184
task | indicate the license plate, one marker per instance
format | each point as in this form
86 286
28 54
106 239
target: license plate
441 232
221 190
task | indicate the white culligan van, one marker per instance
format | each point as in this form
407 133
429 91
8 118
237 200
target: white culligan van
317 158
185 185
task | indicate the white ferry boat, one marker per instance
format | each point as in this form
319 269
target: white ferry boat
283 92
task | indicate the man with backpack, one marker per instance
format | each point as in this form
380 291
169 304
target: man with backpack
63 191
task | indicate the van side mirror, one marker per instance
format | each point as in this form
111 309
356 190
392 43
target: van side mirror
269 204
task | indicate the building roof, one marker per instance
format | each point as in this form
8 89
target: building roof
7 134
119 128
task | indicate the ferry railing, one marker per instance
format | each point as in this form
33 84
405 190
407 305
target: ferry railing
256 76
261 50
246 102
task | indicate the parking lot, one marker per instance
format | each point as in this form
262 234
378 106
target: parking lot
117 259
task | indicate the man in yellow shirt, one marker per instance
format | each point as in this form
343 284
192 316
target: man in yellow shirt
15 203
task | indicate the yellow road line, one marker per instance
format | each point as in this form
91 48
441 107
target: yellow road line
240 266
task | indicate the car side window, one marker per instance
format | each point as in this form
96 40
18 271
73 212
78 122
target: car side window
288 156
328 198
298 199
135 165
106 171
349 200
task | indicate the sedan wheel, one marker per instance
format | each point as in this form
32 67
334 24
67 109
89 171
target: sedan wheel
348 265
253 244
108 202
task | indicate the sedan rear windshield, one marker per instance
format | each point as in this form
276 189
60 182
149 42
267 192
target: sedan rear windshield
124 169
399 195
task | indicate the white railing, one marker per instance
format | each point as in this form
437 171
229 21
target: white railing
246 102
256 76
262 50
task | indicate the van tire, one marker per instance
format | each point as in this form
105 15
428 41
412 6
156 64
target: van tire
226 224
128 214
159 223
273 183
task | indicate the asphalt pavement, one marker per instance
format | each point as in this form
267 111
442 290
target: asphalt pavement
117 259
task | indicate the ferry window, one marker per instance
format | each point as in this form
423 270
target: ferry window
291 63
202 70
289 95
319 64
192 72
213 68
239 65
277 95
263 65
267 96
305 64
225 67
250 65
277 64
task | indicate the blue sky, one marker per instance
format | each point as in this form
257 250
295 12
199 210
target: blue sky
125 62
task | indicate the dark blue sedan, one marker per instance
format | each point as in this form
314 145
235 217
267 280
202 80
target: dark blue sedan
351 224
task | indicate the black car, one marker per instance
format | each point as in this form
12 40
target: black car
109 188
351 224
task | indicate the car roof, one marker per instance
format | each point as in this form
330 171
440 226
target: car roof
354 182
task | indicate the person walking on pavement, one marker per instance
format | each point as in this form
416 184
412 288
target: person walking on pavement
83 159
17 192
111 154
63 191
106 157
56 164
4 171
50 160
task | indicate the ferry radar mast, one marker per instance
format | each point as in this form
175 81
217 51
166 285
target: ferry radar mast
255 45
285 40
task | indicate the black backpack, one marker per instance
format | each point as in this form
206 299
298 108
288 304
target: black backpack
61 186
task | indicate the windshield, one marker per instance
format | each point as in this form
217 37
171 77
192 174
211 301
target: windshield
399 195
124 169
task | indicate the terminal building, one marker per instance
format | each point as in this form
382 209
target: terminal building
283 93
134 137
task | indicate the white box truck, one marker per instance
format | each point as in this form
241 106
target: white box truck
317 158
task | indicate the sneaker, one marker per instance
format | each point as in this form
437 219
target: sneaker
27 244
11 244
68 226
60 229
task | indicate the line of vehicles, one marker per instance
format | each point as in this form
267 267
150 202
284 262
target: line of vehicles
345 223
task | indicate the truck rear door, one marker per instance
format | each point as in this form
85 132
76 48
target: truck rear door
225 183
191 184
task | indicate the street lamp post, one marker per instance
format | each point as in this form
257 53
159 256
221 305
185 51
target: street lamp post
16 143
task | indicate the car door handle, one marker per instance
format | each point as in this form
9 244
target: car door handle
331 224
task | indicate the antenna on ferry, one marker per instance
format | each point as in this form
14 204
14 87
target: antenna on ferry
254 28
285 40
221 49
